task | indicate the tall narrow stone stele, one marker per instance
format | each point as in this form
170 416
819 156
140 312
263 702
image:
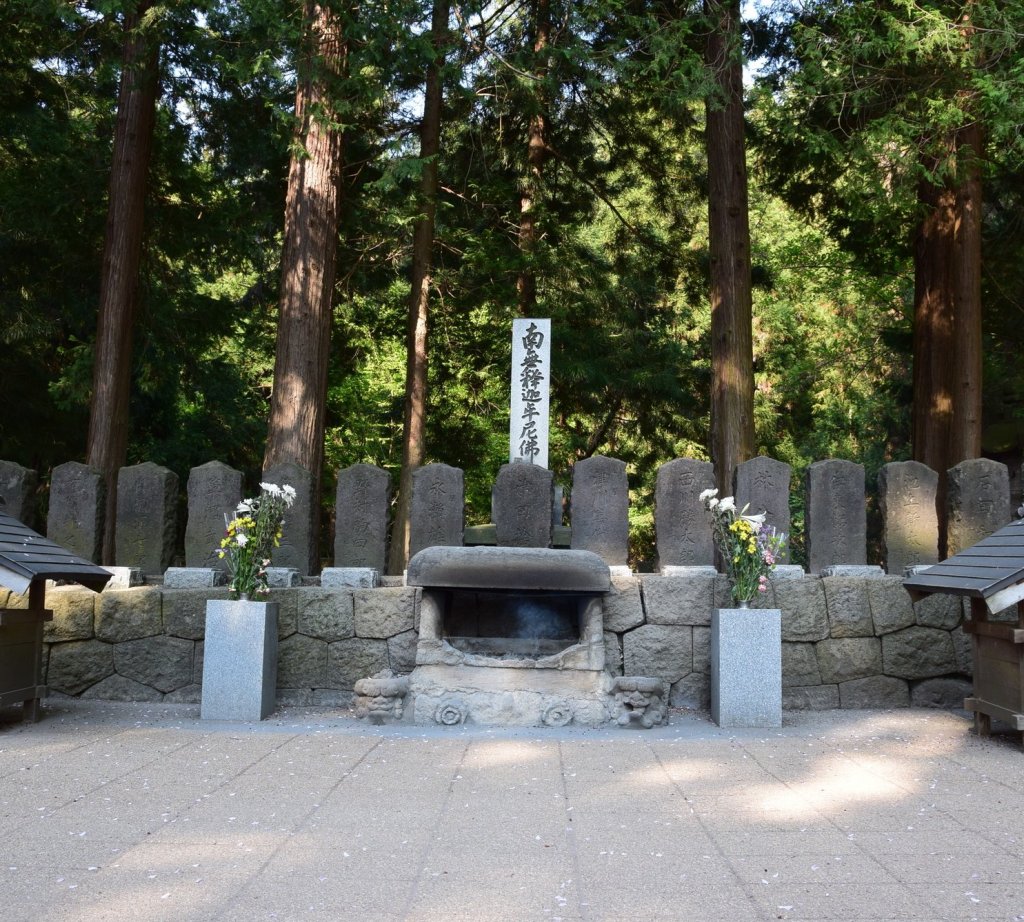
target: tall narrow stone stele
681 524
910 523
978 502
836 516
361 517
18 492
147 505
214 492
77 501
298 544
599 508
522 498
438 512
531 382
762 484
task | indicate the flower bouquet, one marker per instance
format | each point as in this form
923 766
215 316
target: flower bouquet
251 536
748 546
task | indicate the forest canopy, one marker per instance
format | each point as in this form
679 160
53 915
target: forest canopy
567 177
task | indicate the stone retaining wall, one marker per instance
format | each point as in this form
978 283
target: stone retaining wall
847 641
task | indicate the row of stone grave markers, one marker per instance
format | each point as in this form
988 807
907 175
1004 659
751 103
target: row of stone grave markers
978 500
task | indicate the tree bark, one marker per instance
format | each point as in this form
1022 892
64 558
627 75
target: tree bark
536 156
107 440
416 362
967 386
295 430
732 352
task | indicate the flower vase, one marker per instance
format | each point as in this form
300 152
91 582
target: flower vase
746 667
239 660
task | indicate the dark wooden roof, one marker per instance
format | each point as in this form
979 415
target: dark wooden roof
992 565
26 555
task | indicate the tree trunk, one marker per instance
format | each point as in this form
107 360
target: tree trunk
934 334
107 440
732 352
414 426
967 385
298 404
526 282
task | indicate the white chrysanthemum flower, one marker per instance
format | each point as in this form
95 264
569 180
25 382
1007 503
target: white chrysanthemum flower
707 494
241 539
289 493
272 488
727 505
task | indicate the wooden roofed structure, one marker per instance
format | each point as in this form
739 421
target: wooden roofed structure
27 561
991 574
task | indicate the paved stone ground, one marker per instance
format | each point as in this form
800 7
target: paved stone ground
145 812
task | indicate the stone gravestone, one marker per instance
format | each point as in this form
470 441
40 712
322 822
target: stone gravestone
681 524
437 514
977 502
147 508
18 492
836 515
298 548
523 494
77 501
762 484
599 509
910 523
214 491
361 517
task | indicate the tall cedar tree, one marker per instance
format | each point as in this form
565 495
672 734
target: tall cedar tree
732 355
416 362
107 440
537 154
298 404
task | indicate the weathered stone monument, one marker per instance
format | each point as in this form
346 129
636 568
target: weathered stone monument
75 519
910 532
531 379
214 492
437 514
361 517
147 505
523 494
599 508
977 502
762 484
681 523
836 515
298 548
18 492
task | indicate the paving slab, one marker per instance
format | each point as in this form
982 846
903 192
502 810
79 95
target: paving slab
123 811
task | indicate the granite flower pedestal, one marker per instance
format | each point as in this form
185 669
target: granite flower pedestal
746 667
239 660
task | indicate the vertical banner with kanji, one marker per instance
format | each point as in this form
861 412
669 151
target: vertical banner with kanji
531 378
